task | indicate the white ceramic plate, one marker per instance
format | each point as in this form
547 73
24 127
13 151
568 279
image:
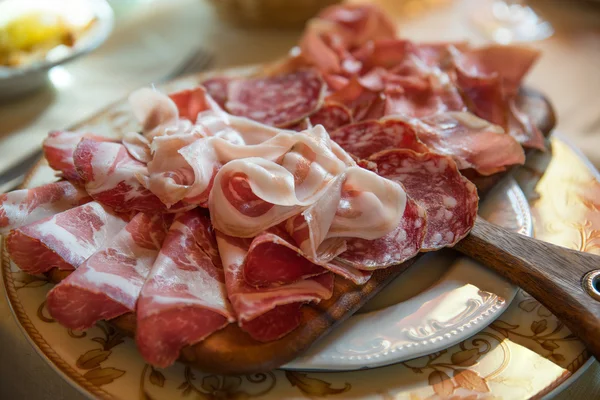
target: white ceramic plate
436 303
26 78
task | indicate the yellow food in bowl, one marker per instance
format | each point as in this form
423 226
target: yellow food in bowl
29 38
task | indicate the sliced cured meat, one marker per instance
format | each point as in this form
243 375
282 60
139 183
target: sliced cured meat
420 101
401 244
110 176
365 22
508 63
64 240
522 128
170 176
217 89
259 310
362 102
138 146
156 112
108 283
190 103
281 100
184 299
22 207
59 147
435 183
471 142
365 138
331 116
272 259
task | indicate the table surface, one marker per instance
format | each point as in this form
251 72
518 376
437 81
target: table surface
151 36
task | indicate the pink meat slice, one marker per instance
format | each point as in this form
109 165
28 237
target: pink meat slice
281 100
64 240
472 142
365 138
183 300
59 147
22 207
396 247
108 283
110 176
435 183
267 313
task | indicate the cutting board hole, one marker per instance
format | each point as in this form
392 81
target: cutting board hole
591 284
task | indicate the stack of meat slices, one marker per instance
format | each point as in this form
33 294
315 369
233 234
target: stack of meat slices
243 199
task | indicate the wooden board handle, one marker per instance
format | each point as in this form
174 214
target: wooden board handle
565 281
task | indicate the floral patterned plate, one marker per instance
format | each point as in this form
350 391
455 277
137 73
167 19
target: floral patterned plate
526 353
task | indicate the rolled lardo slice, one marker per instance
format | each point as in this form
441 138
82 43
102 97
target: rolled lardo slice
59 147
267 313
110 176
22 207
435 183
366 138
184 299
108 283
64 240
280 100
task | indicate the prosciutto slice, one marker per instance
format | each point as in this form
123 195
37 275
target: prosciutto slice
22 207
108 283
267 313
472 142
184 299
59 147
110 175
449 198
64 240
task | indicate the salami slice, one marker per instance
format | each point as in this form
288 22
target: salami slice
331 116
110 175
59 147
435 183
365 138
64 240
184 299
362 102
108 283
281 100
22 207
394 248
217 88
257 309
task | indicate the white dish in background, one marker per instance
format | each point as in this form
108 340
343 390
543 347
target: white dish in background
30 76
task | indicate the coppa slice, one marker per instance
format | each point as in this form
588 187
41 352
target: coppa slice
108 283
434 182
366 138
25 206
267 313
184 300
58 150
64 240
281 100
